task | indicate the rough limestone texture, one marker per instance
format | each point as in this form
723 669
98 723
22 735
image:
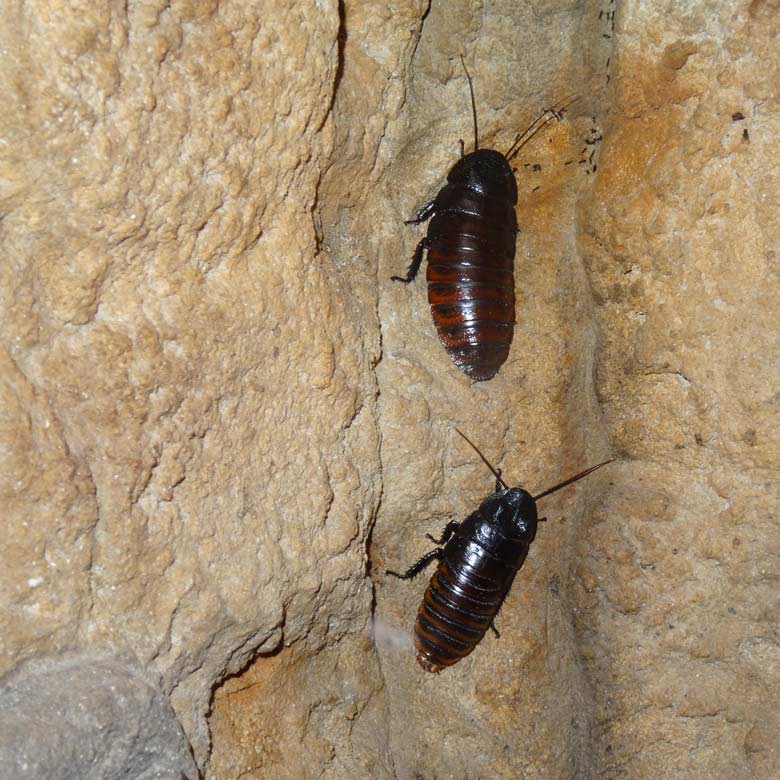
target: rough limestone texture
676 583
188 417
220 422
289 717
103 720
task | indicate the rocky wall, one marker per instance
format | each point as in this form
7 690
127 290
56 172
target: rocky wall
221 421
189 430
676 576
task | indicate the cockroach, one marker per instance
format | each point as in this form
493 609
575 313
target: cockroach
471 251
477 565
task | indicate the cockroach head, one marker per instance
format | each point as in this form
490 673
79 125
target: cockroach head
485 170
521 517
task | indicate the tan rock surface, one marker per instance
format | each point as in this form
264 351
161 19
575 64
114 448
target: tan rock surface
218 415
190 427
676 581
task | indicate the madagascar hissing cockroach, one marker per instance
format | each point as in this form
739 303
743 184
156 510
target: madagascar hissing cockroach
471 252
477 565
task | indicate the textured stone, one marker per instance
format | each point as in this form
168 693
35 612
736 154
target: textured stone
289 716
189 424
88 717
680 236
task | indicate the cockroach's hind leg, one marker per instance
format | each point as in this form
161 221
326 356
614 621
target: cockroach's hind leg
414 570
416 263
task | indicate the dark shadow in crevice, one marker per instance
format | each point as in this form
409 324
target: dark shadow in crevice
341 40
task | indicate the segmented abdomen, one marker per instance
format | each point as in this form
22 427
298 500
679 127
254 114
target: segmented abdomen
471 282
457 609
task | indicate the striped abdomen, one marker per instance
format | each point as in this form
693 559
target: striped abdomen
470 273
467 589
455 612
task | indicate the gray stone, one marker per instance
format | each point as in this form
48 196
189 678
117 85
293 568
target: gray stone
88 717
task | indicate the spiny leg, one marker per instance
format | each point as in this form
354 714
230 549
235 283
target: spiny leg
413 571
492 625
448 531
422 215
416 262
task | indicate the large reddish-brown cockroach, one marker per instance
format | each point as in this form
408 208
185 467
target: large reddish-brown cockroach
471 251
477 566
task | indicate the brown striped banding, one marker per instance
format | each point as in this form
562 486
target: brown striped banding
453 617
471 288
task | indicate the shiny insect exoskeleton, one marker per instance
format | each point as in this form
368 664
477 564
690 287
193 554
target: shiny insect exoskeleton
477 565
471 253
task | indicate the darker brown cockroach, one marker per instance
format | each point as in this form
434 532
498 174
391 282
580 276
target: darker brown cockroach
477 565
